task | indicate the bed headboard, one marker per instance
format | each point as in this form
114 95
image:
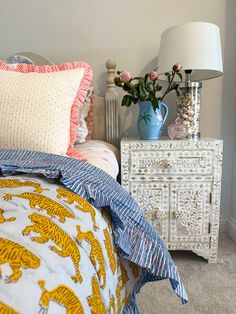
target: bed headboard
111 106
110 128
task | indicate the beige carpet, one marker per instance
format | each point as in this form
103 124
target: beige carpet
211 288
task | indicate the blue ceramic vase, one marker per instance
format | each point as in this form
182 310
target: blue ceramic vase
150 122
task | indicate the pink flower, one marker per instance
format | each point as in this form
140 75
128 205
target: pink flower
153 75
177 67
125 76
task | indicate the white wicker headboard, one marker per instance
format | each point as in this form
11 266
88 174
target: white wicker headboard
110 102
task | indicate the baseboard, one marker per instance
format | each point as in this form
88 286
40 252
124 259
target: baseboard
223 223
231 228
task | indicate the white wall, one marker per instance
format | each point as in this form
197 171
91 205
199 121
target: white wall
129 32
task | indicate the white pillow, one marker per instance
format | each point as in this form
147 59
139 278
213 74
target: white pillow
83 131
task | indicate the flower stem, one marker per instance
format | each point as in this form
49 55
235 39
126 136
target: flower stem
153 88
167 90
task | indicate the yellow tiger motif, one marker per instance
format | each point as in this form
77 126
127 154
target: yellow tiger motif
11 183
17 257
70 197
3 219
95 300
61 295
123 278
116 250
6 309
121 303
118 298
109 248
112 304
44 203
134 269
108 219
96 253
50 231
126 298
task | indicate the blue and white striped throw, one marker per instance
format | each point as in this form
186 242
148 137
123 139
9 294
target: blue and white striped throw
134 236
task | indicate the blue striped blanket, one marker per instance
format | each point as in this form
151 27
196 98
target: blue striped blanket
136 239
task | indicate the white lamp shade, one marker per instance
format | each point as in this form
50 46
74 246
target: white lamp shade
196 46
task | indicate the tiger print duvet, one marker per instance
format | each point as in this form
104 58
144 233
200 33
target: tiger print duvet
57 253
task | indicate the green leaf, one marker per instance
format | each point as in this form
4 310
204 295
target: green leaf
149 87
149 97
142 93
141 82
146 79
127 100
118 82
158 88
126 88
174 86
155 104
180 76
133 89
178 92
168 75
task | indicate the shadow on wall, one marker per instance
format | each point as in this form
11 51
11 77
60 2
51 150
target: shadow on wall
228 117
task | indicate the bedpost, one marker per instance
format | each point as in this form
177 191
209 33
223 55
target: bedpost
111 102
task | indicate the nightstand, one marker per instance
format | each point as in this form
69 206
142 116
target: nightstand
177 184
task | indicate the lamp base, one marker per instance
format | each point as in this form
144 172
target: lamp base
188 107
194 136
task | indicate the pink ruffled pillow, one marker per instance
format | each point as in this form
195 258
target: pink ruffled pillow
39 106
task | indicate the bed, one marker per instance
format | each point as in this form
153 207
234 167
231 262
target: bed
72 240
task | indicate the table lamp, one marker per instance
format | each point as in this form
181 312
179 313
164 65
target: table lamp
197 47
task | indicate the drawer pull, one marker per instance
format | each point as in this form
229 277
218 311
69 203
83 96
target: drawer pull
164 164
177 214
157 215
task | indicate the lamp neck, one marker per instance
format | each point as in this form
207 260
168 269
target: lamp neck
188 75
187 84
188 81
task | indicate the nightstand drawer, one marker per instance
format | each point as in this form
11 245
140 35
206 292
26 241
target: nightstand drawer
171 162
153 198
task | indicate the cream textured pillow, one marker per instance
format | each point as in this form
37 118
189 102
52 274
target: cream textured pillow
39 106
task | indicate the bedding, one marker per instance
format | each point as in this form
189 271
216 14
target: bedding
102 155
58 249
40 105
59 246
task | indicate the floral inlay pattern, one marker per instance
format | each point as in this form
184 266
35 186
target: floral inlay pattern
178 185
190 211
